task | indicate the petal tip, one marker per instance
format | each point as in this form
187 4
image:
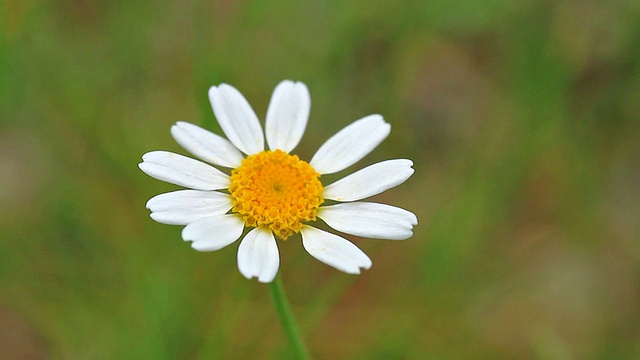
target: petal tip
266 279
213 92
198 246
186 234
301 85
368 265
181 125
286 82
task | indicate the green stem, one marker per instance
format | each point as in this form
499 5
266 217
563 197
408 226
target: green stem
286 318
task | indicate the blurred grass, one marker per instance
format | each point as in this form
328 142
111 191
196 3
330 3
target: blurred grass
521 118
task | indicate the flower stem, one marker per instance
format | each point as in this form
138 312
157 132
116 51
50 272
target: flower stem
286 318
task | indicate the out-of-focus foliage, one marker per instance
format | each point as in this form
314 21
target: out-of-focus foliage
522 118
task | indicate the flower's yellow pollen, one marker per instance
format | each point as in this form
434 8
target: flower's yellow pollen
276 190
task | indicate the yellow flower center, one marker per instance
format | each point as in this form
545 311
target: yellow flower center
276 190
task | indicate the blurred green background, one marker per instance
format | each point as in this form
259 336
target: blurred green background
522 118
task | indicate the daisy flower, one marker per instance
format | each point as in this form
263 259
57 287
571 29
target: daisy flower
273 193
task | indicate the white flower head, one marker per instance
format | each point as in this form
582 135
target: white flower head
273 193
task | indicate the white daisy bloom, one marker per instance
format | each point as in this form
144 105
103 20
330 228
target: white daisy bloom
273 193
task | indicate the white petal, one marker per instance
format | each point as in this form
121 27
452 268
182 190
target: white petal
181 170
350 144
287 115
214 232
371 220
237 119
334 250
258 255
370 181
206 145
186 206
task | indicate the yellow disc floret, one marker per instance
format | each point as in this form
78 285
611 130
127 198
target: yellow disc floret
276 190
